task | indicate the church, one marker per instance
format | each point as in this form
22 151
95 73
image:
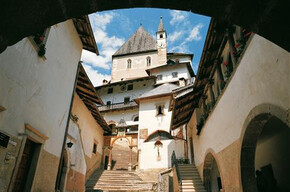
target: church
144 76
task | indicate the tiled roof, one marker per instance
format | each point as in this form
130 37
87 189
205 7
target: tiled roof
166 88
140 41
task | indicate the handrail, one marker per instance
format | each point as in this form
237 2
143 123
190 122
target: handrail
118 105
174 163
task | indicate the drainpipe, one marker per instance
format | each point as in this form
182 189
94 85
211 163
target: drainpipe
58 179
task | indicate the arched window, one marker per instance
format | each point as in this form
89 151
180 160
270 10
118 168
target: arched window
148 61
161 36
129 63
136 118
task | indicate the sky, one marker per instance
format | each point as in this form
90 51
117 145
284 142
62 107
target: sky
186 33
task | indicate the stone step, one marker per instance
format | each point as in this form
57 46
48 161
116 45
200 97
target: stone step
191 181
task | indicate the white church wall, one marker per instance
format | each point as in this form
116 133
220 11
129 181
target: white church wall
138 65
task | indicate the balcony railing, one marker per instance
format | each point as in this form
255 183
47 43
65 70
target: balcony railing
236 50
115 106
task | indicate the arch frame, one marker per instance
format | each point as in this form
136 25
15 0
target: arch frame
252 128
119 137
210 155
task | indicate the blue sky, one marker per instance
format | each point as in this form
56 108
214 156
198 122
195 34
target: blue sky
186 33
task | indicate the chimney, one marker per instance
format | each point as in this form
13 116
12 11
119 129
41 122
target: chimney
105 82
182 82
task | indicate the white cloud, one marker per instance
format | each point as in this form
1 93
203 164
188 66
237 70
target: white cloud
182 48
101 20
195 33
178 17
95 77
175 36
107 45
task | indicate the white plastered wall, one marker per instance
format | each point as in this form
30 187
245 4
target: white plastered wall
90 129
149 120
261 77
118 95
149 153
38 91
166 73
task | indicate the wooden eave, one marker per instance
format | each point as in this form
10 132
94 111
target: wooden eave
86 34
89 96
183 107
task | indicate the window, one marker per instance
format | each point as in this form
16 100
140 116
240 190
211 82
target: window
40 39
136 118
95 148
174 74
110 90
130 87
126 100
159 110
108 103
161 36
129 63
148 61
159 77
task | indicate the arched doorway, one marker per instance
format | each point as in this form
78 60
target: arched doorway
124 157
265 153
211 175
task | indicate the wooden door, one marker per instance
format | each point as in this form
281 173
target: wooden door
24 166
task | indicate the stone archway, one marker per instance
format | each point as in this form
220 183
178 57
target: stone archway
120 154
265 144
211 175
268 18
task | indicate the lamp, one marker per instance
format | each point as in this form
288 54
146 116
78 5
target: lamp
69 144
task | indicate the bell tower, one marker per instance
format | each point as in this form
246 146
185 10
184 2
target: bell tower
161 37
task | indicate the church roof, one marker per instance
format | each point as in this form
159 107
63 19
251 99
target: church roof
140 41
162 90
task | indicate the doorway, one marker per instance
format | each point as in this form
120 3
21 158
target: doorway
27 166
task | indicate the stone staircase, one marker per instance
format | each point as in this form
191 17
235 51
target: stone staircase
120 181
191 181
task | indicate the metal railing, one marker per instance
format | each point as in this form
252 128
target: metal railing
117 106
174 164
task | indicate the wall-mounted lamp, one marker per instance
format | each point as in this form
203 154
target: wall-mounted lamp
69 144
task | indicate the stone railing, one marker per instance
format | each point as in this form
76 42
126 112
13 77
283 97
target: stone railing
115 106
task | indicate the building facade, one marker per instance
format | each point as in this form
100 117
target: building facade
137 101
